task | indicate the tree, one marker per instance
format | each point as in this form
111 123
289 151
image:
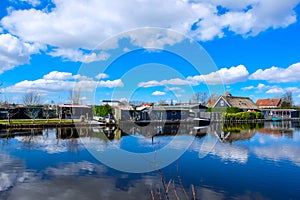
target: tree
287 100
200 97
102 110
31 100
32 113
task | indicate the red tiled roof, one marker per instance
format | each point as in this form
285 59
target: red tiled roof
275 102
210 103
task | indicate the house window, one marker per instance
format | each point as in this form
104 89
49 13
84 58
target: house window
222 103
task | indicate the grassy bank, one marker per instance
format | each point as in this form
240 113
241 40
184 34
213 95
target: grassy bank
38 121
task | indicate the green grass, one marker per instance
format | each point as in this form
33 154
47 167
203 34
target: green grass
37 121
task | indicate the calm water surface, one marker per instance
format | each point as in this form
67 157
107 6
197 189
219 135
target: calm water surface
260 161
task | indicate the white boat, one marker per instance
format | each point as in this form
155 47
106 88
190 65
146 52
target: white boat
200 122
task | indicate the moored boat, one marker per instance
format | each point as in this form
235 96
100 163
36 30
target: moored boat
201 121
276 119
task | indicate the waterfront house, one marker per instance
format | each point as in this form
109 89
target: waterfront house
71 111
271 109
169 113
3 114
124 113
243 103
22 112
193 109
269 103
158 113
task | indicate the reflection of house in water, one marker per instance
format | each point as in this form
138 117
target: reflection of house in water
235 136
242 135
279 128
67 133
231 133
162 130
11 133
103 133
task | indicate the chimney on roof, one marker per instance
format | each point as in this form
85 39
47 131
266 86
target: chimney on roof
227 94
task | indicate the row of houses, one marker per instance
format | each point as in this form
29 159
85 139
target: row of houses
149 111
158 113
270 108
62 111
245 103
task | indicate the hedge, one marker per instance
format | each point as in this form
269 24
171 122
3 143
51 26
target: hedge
243 116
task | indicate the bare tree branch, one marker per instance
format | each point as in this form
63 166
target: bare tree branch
32 99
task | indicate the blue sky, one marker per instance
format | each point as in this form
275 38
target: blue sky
103 49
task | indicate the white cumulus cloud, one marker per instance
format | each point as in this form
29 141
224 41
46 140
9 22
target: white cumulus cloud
278 75
101 76
272 89
14 51
227 76
251 87
78 55
61 82
72 28
293 89
158 93
85 24
55 75
260 87
111 84
222 76
275 90
153 83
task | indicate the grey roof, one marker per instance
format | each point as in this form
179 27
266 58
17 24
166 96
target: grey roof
240 102
73 106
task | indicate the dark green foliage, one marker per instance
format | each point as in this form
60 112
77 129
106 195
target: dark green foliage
227 110
286 104
244 116
259 115
216 110
209 110
102 110
241 126
233 110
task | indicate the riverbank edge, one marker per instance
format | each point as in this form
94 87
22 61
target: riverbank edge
84 124
48 125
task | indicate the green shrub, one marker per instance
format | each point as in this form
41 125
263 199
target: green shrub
243 116
233 110
102 110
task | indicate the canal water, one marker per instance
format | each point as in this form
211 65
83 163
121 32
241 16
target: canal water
248 161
